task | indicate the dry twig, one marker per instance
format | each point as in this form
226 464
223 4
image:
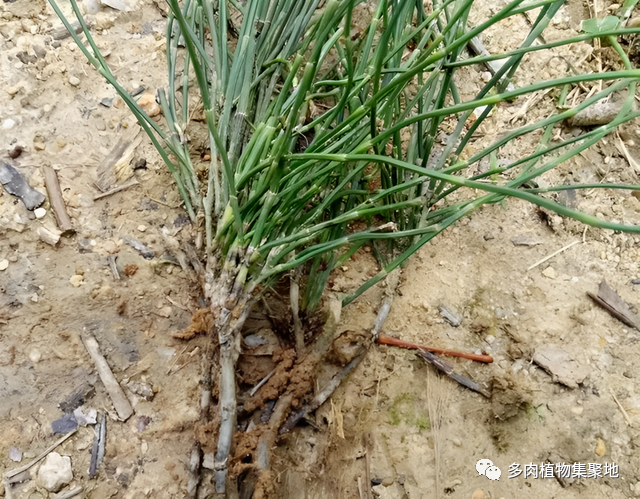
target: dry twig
52 184
119 399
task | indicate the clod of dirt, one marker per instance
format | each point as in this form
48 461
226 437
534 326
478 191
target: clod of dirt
130 269
201 323
508 397
345 348
276 384
252 369
55 472
206 435
560 365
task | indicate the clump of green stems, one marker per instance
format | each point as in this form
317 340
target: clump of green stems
285 185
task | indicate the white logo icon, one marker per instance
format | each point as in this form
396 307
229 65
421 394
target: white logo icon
485 467
493 473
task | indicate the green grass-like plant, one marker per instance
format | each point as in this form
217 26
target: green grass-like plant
314 127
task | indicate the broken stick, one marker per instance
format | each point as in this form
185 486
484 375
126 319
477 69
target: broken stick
56 200
448 370
119 399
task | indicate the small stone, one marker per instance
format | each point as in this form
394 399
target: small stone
4 264
84 246
34 297
144 447
40 51
142 228
8 123
457 442
76 280
490 339
488 236
79 270
478 494
550 272
601 448
12 90
149 105
13 258
15 454
35 355
165 312
74 81
55 472
387 481
110 247
525 240
143 389
48 236
92 6
15 152
39 212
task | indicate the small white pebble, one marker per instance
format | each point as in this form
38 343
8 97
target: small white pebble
142 228
76 280
8 123
549 272
39 212
4 264
92 6
35 355
74 80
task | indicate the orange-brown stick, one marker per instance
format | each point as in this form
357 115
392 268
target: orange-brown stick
383 339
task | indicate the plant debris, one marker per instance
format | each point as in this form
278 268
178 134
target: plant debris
56 200
611 301
146 253
16 185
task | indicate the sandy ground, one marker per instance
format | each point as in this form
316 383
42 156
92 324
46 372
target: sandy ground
395 429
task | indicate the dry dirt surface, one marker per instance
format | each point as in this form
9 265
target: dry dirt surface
395 428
